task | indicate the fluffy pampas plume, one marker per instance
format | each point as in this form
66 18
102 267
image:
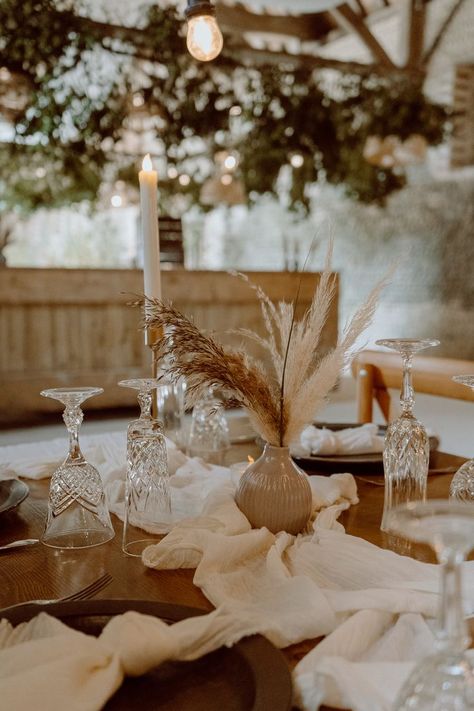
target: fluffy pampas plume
281 394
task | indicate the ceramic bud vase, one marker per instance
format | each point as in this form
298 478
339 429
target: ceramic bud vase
275 493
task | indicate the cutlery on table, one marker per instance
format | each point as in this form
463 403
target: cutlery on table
19 544
84 593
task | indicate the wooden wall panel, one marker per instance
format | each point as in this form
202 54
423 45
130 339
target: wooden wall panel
63 327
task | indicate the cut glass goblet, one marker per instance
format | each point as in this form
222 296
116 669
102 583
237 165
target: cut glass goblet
209 433
78 516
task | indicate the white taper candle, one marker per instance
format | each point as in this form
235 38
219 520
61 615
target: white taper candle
148 179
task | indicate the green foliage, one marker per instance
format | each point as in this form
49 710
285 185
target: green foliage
82 76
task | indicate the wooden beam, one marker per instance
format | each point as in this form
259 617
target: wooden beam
236 20
416 32
347 18
361 6
442 31
245 53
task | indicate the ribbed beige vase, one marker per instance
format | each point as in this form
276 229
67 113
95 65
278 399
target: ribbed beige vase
275 493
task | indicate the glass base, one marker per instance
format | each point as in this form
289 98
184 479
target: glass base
85 538
136 548
77 526
443 682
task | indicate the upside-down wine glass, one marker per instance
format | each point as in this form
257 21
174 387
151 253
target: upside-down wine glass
147 491
78 516
443 681
209 433
462 484
170 400
406 451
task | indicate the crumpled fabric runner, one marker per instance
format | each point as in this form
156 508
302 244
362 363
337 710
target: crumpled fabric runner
374 607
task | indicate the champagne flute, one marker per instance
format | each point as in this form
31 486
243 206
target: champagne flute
147 491
407 448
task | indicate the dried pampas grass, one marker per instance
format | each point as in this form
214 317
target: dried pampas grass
281 399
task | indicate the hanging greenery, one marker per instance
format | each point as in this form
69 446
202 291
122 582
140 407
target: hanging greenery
88 85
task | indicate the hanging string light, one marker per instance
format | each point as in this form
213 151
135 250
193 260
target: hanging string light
204 38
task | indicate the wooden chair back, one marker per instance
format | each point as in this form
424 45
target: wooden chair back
377 371
171 241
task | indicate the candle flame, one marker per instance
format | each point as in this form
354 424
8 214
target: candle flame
251 459
147 164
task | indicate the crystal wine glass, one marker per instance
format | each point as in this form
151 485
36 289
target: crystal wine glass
462 485
147 491
209 433
78 516
407 447
170 400
443 681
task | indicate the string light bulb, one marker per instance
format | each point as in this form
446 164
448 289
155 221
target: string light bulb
204 38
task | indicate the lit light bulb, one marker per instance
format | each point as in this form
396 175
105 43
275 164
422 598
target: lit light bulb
296 160
230 162
116 201
204 39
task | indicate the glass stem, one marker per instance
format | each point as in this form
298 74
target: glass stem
145 400
73 417
452 628
407 396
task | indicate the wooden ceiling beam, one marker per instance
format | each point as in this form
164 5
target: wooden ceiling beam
361 6
233 19
442 31
261 56
345 15
416 32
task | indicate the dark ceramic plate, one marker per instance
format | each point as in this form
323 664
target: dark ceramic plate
12 493
250 676
370 462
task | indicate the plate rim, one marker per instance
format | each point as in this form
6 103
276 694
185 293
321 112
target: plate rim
267 664
14 483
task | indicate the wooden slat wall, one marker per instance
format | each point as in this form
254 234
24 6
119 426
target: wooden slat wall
63 327
462 140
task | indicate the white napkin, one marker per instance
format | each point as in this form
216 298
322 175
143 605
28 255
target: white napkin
353 440
38 460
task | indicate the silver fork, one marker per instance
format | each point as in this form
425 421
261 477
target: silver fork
83 594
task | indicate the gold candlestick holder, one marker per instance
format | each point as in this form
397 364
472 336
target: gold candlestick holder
153 336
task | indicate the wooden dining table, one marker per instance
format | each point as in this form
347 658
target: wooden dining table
41 572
